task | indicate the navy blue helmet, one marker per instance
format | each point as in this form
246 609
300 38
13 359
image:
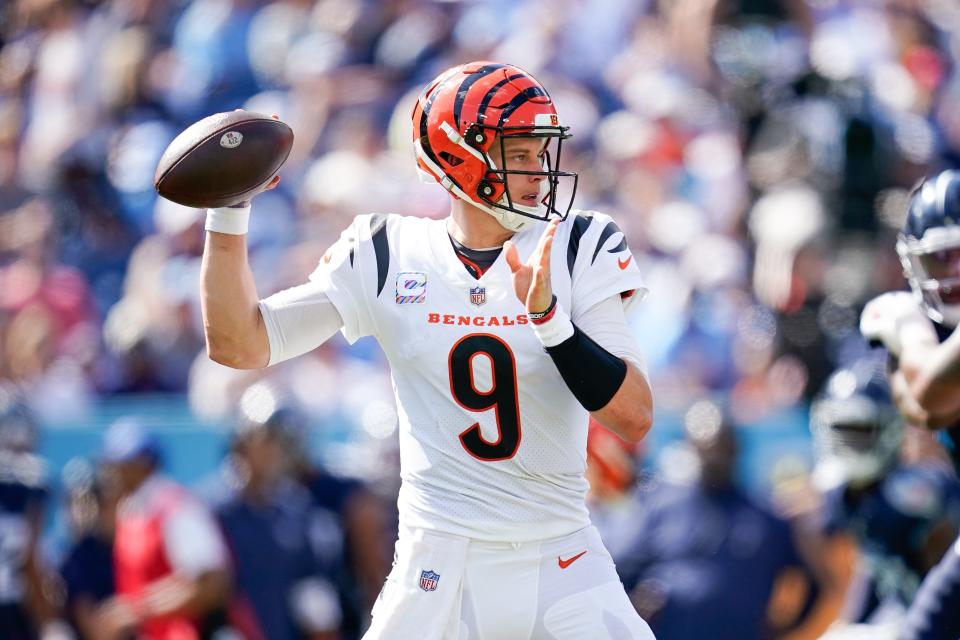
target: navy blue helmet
856 428
929 246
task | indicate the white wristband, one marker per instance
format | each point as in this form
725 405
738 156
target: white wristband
229 220
555 330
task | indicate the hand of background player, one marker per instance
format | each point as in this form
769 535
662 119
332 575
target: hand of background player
531 280
895 320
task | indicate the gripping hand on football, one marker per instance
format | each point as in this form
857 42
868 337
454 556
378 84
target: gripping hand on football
531 280
267 187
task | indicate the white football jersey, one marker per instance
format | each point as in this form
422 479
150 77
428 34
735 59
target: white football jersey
492 442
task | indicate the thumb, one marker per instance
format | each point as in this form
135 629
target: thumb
512 256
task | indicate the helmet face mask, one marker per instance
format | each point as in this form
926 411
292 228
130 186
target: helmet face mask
495 181
856 430
929 247
463 114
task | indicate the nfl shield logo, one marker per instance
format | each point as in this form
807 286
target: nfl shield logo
478 295
429 580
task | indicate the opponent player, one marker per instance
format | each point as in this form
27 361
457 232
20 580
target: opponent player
919 332
499 346
902 515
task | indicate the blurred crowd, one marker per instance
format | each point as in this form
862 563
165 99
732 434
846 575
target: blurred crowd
758 154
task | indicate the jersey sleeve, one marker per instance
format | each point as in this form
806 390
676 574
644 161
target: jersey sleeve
353 271
600 263
298 320
606 323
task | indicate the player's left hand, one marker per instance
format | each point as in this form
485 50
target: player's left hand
531 280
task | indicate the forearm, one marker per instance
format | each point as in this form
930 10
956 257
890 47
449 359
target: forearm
186 596
931 380
84 614
629 413
234 329
614 390
365 529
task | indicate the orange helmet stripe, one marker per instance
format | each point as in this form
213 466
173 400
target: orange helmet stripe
467 84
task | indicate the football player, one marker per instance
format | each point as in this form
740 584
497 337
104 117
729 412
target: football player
24 605
918 331
902 517
504 325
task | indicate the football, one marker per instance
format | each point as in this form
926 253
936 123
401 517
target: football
223 159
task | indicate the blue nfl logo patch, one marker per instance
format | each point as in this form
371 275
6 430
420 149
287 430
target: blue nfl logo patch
429 580
478 295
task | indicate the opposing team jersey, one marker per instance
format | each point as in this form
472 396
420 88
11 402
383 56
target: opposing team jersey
492 442
892 522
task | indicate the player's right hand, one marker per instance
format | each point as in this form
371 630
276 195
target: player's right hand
893 319
270 185
267 187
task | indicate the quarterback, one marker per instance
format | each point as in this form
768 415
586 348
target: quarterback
504 325
919 331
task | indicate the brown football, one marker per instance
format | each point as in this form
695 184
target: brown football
223 159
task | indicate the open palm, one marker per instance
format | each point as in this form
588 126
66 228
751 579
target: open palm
531 279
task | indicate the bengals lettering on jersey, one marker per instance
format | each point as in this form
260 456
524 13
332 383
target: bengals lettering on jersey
492 441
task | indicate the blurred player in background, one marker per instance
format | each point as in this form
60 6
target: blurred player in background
88 571
24 605
504 325
902 517
688 539
266 521
347 523
918 331
170 559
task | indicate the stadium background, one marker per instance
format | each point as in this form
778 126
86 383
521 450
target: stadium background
757 154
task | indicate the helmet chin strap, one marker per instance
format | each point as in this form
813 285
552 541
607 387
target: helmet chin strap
514 221
510 219
507 219
950 314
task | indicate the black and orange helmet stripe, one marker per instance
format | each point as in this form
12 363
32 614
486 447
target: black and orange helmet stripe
467 83
485 102
424 133
524 97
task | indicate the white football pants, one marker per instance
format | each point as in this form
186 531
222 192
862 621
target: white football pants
446 587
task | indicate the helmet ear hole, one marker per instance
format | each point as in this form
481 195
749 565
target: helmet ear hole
449 158
475 137
485 189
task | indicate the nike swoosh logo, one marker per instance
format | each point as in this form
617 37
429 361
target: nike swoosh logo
569 561
623 264
326 258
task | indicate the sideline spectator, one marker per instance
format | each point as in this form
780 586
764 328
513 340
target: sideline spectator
349 531
88 572
171 562
24 607
691 543
266 520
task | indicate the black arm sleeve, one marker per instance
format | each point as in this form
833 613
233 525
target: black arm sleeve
592 373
